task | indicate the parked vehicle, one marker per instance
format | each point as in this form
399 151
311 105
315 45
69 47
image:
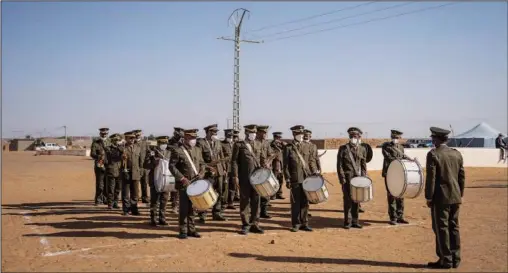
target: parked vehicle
49 147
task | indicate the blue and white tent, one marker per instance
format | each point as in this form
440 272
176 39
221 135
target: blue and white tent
480 136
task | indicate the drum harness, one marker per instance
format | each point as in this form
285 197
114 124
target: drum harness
357 171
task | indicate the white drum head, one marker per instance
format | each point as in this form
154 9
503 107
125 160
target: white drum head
361 182
198 187
395 178
260 176
313 183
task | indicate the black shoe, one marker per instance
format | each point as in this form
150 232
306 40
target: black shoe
195 235
309 215
231 206
265 216
402 221
163 223
115 205
280 197
202 220
125 213
295 229
393 222
219 217
438 265
306 228
236 199
244 231
136 213
153 223
182 236
361 210
347 226
145 201
456 264
256 229
356 225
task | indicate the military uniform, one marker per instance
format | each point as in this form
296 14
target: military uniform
351 162
278 147
227 149
267 152
98 153
173 144
307 137
392 151
444 189
184 171
145 172
134 159
246 157
299 163
114 156
158 200
212 151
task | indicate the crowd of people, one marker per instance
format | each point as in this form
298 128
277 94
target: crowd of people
126 164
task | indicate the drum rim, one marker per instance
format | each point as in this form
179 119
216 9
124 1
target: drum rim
259 169
404 169
203 194
312 176
405 177
371 183
209 186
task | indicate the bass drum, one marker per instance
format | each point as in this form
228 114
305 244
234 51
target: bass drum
369 152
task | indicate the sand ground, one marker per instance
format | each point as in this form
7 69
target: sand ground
49 223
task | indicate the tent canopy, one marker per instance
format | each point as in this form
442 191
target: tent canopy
482 135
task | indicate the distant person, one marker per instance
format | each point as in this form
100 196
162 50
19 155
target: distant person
98 153
145 172
501 145
178 134
133 159
444 189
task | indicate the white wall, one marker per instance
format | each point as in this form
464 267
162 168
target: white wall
473 157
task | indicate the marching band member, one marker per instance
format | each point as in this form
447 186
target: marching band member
391 151
351 163
227 149
444 189
211 148
299 163
261 133
246 157
98 153
114 157
306 138
144 171
185 164
277 146
173 143
133 161
158 200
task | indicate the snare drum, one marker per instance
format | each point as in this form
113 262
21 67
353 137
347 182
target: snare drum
361 189
264 182
202 195
404 178
315 189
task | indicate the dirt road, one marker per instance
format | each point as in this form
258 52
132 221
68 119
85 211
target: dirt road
49 223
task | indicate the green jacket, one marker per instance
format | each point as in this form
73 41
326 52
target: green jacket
212 151
227 150
295 171
346 167
143 147
243 162
390 153
134 160
180 166
114 158
315 154
99 148
445 178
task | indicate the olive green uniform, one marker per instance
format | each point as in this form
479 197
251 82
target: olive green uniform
391 152
266 151
246 158
444 188
212 151
145 173
299 163
158 200
97 152
130 181
228 197
114 156
277 164
181 167
348 169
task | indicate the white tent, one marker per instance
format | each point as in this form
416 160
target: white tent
482 135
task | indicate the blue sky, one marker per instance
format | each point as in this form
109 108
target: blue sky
157 65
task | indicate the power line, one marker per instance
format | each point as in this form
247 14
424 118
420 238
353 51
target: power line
336 20
309 18
361 23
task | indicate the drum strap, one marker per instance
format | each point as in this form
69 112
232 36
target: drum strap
209 147
358 172
190 160
301 160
